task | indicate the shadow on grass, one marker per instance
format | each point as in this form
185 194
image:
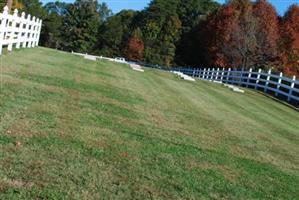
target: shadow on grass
280 100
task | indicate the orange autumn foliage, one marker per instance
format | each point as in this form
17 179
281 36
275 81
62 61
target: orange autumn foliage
268 32
290 41
135 48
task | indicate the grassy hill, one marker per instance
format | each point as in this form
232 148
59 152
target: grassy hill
77 129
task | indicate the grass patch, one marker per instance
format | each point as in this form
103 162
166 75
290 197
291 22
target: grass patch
76 129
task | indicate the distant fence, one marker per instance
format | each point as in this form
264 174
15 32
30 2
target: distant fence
20 31
278 85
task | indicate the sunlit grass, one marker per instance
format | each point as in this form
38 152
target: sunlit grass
77 129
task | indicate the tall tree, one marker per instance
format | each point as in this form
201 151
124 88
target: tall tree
232 40
114 33
34 8
9 4
104 11
215 32
81 25
191 14
161 28
290 41
52 33
267 34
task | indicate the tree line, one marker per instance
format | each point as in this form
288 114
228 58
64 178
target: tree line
199 33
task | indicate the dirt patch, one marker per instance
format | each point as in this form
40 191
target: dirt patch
7 183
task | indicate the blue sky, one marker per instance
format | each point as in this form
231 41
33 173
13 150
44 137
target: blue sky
117 5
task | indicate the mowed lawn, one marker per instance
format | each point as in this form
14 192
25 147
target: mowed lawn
77 129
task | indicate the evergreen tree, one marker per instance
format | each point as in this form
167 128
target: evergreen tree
161 27
104 11
34 8
114 33
81 26
52 32
191 14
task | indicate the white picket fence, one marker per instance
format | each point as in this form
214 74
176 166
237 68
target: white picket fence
20 31
279 85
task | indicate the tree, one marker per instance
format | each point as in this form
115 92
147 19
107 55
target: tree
267 34
9 4
240 51
52 32
114 33
191 13
12 4
34 8
231 35
104 11
135 47
81 26
215 33
161 29
290 41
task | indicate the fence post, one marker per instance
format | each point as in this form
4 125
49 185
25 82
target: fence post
12 33
213 74
208 74
33 26
249 77
258 78
222 75
3 26
24 32
38 31
217 74
193 74
29 28
278 84
267 82
292 87
19 36
204 73
227 75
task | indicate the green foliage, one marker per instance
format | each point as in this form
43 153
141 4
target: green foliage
81 25
113 34
34 8
52 32
104 11
2 4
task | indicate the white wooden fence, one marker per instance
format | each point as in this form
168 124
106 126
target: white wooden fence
278 85
20 31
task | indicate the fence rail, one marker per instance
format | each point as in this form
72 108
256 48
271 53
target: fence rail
20 31
270 83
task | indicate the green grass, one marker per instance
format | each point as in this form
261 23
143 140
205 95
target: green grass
77 129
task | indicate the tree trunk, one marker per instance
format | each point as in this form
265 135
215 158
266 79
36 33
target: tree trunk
9 4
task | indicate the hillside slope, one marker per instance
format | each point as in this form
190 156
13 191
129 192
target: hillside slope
77 129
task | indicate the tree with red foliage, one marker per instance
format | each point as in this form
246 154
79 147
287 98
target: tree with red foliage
231 35
267 34
214 31
242 34
290 41
135 47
